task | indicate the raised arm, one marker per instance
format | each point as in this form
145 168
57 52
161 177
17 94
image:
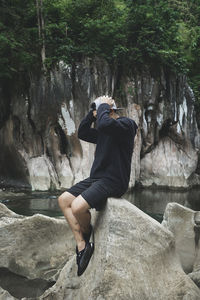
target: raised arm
85 132
118 128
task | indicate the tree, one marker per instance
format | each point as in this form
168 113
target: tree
41 30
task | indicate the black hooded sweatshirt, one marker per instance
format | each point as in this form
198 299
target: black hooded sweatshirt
115 142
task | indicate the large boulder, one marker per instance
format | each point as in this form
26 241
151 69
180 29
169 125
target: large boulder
134 258
184 223
35 247
169 165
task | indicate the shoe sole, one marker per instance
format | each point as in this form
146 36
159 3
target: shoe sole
85 258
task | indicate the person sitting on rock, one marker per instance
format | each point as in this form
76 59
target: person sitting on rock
109 175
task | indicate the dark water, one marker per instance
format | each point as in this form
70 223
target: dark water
30 203
152 202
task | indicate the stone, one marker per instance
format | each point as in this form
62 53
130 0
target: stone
168 165
41 128
42 174
6 212
36 246
4 295
184 223
64 172
134 258
20 286
195 276
134 112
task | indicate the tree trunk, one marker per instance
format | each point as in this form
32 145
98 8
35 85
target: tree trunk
41 30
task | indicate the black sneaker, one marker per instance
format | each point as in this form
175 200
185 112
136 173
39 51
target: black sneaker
79 255
83 258
87 236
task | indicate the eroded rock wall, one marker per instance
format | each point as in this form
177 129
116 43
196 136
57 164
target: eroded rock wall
170 135
38 129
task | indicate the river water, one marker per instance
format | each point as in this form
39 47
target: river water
152 202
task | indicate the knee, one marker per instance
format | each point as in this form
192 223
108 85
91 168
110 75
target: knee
77 208
64 200
61 201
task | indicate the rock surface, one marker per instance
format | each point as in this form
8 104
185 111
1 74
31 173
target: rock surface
20 286
169 165
184 223
35 247
134 258
38 134
170 136
4 295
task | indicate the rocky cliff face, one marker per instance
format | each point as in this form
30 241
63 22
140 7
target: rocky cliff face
38 129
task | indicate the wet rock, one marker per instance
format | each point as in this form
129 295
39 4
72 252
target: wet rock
134 258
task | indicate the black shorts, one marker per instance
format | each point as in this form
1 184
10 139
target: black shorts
94 191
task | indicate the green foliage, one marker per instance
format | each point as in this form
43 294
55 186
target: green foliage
95 28
153 34
18 52
130 33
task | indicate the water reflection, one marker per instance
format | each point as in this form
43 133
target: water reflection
152 202
29 204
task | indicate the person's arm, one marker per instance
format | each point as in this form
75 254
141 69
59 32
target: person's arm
118 128
85 132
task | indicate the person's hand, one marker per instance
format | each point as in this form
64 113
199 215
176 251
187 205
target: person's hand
108 100
95 113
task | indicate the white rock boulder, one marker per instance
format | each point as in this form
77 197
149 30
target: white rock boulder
134 259
35 247
168 165
184 223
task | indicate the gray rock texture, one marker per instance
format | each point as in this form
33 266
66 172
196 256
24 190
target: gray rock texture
38 128
170 135
4 295
134 258
169 165
35 247
184 223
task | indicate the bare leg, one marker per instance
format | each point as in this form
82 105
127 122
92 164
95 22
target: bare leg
76 212
65 201
80 209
